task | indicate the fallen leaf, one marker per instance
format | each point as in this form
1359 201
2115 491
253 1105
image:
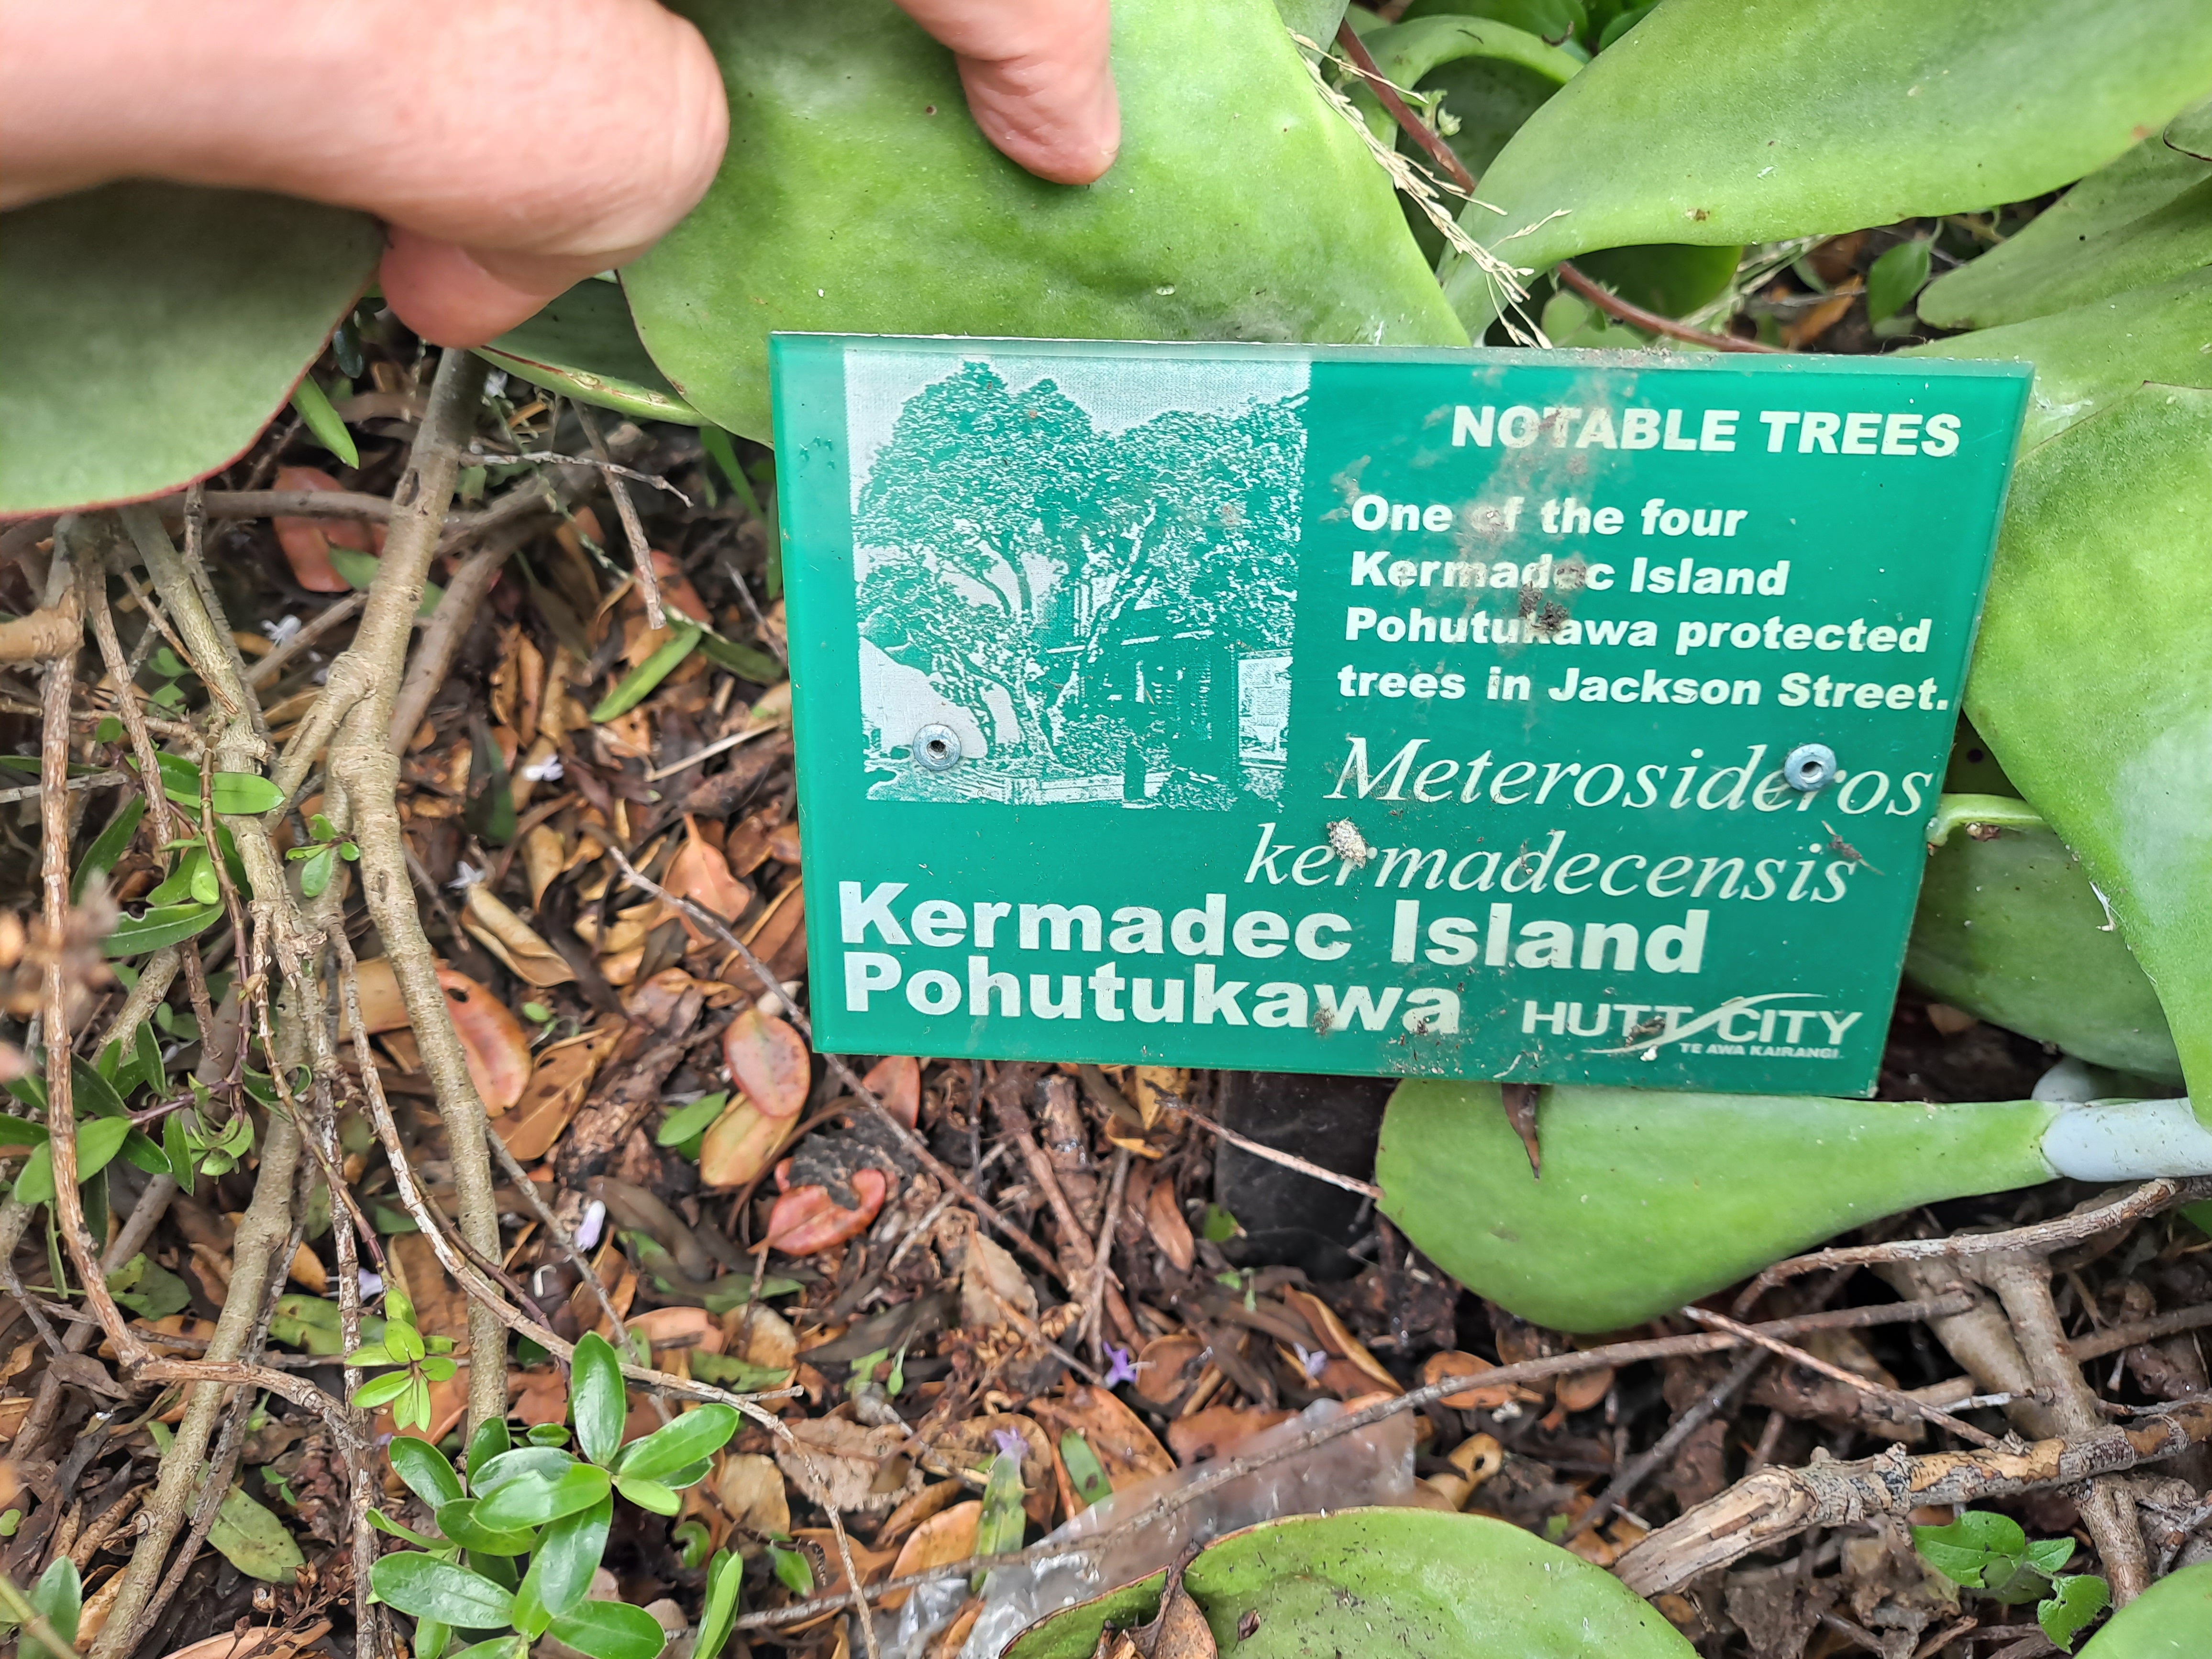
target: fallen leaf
971 1445
254 1541
929 1501
1163 1218
1161 1364
1216 1431
750 1489
783 843
253 1644
779 937
307 1271
1157 1085
871 1565
1181 1631
895 1079
513 940
805 1220
541 1397
987 1277
1451 1363
702 874
937 1542
761 1336
498 1053
308 542
1329 1331
767 1060
559 1081
836 1462
1125 1448
1584 1391
544 855
381 1008
741 1143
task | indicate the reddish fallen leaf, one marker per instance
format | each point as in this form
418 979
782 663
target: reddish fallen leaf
740 1145
767 1060
498 1052
701 874
1216 1431
804 1219
677 593
895 1079
1163 1219
308 542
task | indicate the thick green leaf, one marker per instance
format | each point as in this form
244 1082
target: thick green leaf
1897 276
2010 930
718 1613
254 1541
858 195
428 1472
147 331
598 1400
147 1289
2075 1602
650 1495
1649 1200
319 418
2109 745
243 793
163 925
2190 132
382 1390
534 1500
60 1598
1367 1582
687 1122
97 1143
2125 225
2089 357
612 1630
427 1588
1731 121
34 1181
458 1522
699 1432
495 1471
1492 76
490 1441
585 346
561 1565
2171 1620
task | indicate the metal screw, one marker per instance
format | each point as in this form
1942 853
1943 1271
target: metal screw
937 748
1810 767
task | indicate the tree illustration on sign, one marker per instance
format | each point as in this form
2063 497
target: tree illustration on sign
1087 595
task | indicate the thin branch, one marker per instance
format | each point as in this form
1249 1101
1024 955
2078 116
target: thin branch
640 550
1652 322
1273 1155
1892 1398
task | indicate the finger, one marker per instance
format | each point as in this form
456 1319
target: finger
1039 79
457 296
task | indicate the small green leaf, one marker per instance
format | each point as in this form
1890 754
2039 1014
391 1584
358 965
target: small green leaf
2048 1555
612 1630
1218 1225
382 1390
718 1613
360 570
746 661
693 1542
534 1500
650 1495
458 1521
599 1401
385 1523
243 794
2075 1602
315 873
725 1372
34 1184
490 1441
636 685
497 1470
792 1570
147 1289
439 1368
1083 1468
427 1588
1897 276
254 1541
686 1122
548 1434
412 1410
697 1433
537 1013
403 1341
428 1472
319 418
1977 1549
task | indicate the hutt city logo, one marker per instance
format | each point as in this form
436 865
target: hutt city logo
1550 716
1076 580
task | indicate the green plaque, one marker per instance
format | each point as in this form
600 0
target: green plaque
1553 716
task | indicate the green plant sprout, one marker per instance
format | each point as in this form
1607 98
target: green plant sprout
1990 1552
319 857
522 1535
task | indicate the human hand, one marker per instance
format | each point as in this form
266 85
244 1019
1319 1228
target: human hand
513 147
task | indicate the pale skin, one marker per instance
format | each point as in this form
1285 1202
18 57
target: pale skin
511 147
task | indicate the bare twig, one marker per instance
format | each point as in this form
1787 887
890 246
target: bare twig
326 620
1890 1397
1653 322
1289 1161
640 550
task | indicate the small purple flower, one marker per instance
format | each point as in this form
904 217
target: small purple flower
1010 1442
1312 1361
1120 1366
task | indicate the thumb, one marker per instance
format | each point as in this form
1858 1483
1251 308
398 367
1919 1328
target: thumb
1038 78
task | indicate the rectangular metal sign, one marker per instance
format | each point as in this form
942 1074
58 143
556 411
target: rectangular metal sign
1552 716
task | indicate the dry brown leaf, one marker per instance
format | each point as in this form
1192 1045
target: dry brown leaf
513 940
930 1500
750 1489
1160 1366
952 1640
558 1084
663 1329
988 1276
1216 1431
381 1009
1181 1631
841 1463
542 857
1330 1332
1163 1219
783 844
772 710
1451 1363
1125 1448
307 1271
779 937
1584 1390
702 874
498 1053
253 1644
937 1542
769 1061
1152 1084
541 1397
871 1565
741 1143
759 1335
895 1079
